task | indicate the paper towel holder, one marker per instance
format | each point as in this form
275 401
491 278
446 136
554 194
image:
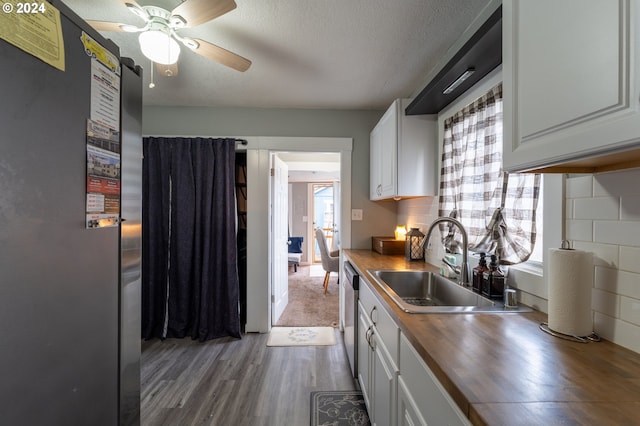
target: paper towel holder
593 337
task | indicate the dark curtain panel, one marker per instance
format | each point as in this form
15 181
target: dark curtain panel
190 277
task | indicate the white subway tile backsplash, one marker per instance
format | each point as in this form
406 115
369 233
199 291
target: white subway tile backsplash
579 230
597 208
606 279
621 332
579 187
630 310
603 254
617 232
624 182
630 208
630 258
617 281
605 303
628 284
568 208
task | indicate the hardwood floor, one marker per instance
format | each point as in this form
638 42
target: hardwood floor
236 382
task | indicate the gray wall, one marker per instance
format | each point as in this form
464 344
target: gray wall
379 217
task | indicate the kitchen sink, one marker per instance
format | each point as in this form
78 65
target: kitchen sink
422 292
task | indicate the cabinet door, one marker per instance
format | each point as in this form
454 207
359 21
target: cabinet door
364 356
431 399
571 80
383 155
408 411
375 164
384 386
389 153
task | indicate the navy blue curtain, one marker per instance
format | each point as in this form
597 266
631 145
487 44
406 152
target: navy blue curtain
189 263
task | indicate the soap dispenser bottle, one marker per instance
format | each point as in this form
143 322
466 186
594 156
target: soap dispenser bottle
478 271
493 280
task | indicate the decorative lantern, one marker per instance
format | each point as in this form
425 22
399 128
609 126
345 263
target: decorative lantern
413 247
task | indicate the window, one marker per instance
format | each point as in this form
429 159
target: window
497 209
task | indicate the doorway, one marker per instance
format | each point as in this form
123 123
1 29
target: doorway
258 219
322 202
313 201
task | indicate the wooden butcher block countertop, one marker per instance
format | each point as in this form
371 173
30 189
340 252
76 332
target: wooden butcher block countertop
501 369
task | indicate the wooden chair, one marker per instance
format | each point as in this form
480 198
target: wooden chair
330 260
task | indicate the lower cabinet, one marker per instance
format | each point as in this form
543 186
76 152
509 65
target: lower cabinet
408 411
422 400
377 371
397 385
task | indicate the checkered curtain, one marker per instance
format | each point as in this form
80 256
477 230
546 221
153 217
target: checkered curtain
496 208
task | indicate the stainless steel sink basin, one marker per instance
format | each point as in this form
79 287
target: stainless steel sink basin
427 292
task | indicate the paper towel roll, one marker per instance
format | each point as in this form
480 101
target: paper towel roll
570 284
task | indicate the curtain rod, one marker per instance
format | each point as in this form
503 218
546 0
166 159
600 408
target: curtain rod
242 141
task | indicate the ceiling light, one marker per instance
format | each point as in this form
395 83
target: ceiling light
159 46
450 88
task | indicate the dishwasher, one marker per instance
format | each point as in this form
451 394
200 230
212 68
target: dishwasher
351 283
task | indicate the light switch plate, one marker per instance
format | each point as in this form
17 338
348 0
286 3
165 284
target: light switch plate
356 214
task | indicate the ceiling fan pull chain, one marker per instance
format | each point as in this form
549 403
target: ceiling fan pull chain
152 84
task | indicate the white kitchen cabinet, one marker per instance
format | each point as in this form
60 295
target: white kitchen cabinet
571 82
377 368
422 400
403 154
364 356
408 410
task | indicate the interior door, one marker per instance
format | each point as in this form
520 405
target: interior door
279 237
336 215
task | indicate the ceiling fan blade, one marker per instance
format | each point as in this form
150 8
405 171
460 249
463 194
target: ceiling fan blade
135 8
223 56
106 26
167 70
196 12
132 2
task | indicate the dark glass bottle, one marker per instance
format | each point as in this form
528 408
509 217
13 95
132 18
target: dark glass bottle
478 271
493 280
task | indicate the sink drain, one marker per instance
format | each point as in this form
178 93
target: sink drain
419 301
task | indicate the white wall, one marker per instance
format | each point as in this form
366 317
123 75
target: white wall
603 217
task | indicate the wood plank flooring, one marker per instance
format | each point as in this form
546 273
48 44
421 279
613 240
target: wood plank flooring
236 381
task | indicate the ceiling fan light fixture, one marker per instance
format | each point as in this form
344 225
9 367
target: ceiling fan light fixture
159 47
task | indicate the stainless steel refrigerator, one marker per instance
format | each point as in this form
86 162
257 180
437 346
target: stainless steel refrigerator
69 293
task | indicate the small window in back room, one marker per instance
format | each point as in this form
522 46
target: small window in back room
498 209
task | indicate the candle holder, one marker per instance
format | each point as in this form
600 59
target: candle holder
414 250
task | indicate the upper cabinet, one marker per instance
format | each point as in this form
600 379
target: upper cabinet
403 154
571 73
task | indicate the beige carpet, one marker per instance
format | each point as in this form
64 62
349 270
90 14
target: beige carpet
308 306
302 336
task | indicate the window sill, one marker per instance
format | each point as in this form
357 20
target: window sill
533 268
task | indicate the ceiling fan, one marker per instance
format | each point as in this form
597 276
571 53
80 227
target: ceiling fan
159 40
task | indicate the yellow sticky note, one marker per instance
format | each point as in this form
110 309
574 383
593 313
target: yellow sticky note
34 27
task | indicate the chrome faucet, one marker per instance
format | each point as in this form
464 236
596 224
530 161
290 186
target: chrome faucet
464 268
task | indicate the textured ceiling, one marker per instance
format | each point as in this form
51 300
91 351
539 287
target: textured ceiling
333 54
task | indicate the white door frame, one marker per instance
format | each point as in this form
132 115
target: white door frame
258 252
